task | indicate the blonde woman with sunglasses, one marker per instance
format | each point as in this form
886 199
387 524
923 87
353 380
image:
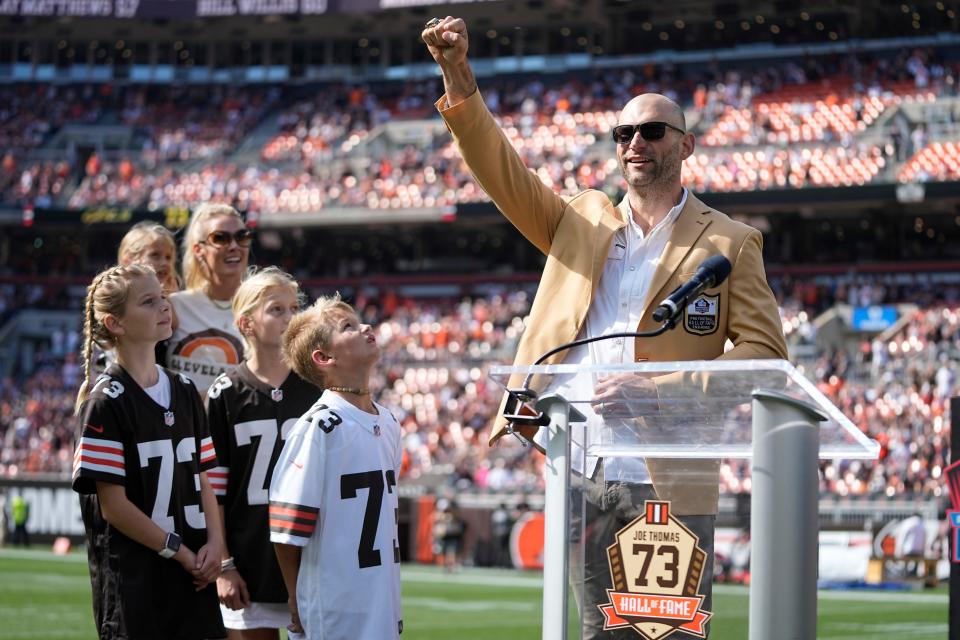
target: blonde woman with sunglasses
216 251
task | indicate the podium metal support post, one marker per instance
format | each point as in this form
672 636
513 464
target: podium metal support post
556 568
783 518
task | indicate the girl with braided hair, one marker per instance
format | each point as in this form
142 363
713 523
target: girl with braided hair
153 528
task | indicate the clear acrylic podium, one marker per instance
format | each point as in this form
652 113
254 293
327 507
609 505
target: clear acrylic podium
613 430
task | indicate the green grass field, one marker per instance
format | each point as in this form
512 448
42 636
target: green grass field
45 597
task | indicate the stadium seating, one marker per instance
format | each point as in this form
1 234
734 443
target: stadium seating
305 149
936 161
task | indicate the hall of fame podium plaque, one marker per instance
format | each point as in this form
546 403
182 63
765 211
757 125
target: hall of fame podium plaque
655 567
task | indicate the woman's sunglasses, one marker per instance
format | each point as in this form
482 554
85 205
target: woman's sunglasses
649 131
243 238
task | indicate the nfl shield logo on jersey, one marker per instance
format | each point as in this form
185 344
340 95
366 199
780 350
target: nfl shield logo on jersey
376 430
276 395
168 418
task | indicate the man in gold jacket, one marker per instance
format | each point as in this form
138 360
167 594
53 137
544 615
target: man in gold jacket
608 265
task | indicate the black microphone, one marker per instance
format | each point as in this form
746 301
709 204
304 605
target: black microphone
710 273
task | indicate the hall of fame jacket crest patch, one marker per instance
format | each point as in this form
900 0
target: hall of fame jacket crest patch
655 567
701 317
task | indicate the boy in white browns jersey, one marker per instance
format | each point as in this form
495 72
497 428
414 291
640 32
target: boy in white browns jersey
333 496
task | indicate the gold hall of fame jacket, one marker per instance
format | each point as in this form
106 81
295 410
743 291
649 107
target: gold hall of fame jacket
575 234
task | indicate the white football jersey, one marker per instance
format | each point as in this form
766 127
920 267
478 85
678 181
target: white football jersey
334 493
206 342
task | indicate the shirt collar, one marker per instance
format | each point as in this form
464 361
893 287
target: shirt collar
667 221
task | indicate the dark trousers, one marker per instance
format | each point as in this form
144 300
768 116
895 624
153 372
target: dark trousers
20 535
607 508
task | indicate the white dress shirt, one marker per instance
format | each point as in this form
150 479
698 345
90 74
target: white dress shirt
617 307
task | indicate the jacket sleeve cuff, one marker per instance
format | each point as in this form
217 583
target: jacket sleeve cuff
463 111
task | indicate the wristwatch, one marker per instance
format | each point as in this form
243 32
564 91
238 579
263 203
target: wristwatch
171 546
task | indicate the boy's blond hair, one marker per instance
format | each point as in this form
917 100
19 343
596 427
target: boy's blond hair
253 289
310 330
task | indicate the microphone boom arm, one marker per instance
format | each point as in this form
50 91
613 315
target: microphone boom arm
525 394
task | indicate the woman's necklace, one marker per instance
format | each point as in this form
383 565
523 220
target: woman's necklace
221 304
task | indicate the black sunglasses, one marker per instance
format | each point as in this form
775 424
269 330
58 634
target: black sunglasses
649 131
243 238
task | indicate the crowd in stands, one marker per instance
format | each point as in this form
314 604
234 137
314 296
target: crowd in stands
310 128
14 297
29 115
818 293
905 407
935 161
791 124
434 379
783 168
38 184
194 123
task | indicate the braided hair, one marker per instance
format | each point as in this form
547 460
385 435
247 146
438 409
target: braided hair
106 295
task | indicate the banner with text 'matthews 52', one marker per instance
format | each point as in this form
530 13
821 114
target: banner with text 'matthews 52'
175 9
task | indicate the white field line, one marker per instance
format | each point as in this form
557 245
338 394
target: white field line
518 580
36 554
458 605
504 578
846 631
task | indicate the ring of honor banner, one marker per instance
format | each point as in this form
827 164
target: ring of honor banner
655 567
175 9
